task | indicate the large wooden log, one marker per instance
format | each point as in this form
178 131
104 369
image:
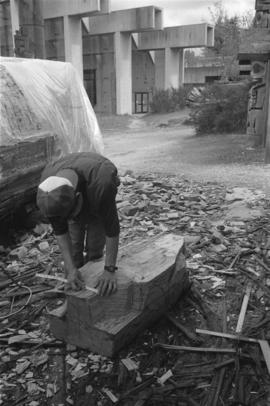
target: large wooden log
255 45
151 277
262 5
21 163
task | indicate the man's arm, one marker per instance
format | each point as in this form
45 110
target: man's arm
111 250
107 283
72 274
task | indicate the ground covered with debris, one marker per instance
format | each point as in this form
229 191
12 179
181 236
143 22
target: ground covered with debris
211 348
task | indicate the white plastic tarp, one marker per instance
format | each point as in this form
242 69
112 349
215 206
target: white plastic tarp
55 93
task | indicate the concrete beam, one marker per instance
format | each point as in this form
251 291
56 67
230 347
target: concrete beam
186 36
131 20
80 8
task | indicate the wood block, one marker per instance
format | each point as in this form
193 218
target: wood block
151 277
262 5
254 43
21 164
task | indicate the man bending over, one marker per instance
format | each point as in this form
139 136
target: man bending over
77 194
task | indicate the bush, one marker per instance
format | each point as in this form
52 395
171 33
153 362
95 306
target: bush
222 109
165 101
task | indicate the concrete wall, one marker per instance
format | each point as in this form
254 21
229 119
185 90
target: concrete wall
6 42
54 39
160 69
143 75
98 54
198 74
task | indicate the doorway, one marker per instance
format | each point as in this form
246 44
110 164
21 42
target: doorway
141 102
89 78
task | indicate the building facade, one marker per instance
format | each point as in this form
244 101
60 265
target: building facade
122 56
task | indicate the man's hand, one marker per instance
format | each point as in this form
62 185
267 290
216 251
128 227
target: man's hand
107 283
75 281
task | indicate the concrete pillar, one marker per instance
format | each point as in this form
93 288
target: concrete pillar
159 69
123 71
73 42
181 66
171 68
15 19
32 26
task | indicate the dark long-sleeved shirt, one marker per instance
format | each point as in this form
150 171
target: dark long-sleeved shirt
97 181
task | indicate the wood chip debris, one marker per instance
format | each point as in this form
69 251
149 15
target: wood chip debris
187 357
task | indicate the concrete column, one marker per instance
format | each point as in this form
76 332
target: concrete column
159 69
123 71
181 66
171 68
15 19
73 42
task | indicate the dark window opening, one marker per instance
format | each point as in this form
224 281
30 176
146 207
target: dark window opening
211 79
244 73
244 62
141 102
89 78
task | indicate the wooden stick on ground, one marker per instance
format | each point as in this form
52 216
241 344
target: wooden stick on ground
266 352
196 349
243 311
58 278
263 343
226 335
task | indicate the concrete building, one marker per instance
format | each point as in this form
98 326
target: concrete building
122 56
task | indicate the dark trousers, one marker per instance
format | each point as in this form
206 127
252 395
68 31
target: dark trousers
86 237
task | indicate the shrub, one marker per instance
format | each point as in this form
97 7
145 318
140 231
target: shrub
222 109
165 101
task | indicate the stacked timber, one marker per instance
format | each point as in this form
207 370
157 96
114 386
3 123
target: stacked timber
151 277
25 147
255 43
21 163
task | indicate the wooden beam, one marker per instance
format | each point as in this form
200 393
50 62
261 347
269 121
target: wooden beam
267 120
227 335
266 352
196 349
151 277
255 41
64 280
262 5
243 311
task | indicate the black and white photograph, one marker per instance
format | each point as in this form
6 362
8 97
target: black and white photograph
134 202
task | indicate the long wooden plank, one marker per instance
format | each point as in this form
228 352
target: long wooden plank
64 280
266 352
227 335
151 277
267 139
243 310
196 349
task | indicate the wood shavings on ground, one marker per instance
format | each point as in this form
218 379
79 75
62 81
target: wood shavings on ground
224 256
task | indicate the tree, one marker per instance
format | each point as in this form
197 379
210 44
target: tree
227 37
190 57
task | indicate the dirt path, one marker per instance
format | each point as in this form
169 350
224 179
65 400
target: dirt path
163 144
